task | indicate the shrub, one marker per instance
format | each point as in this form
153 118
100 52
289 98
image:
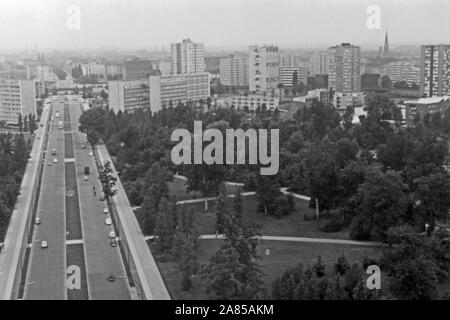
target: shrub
331 225
309 216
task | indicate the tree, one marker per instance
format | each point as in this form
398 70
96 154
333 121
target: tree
414 279
32 123
382 204
268 194
92 136
433 194
164 229
20 122
221 209
108 180
25 123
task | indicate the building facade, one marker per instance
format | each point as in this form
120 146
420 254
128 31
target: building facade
435 70
136 69
128 95
187 57
402 71
319 63
234 70
342 100
173 89
344 69
16 97
253 102
287 74
420 107
263 68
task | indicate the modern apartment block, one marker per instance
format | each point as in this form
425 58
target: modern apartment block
253 101
287 74
187 57
289 60
16 97
128 95
263 68
319 63
234 70
344 69
342 100
136 69
172 89
317 95
402 71
435 70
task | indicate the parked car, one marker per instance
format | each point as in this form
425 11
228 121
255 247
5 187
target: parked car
108 221
105 210
86 178
112 235
55 160
113 243
37 220
44 244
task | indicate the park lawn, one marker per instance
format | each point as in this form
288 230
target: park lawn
292 225
283 255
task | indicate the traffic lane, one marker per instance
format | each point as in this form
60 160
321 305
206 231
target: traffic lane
73 218
101 258
46 273
77 288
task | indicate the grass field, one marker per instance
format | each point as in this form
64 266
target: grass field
282 256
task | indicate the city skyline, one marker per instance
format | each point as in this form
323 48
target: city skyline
219 24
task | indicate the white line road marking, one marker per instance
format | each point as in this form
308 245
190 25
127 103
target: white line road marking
75 241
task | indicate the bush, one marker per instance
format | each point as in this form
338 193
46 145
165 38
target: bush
309 216
333 224
360 228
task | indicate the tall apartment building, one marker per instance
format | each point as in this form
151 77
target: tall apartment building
136 69
234 70
402 71
128 95
16 97
435 70
344 68
263 68
168 89
289 60
319 63
187 57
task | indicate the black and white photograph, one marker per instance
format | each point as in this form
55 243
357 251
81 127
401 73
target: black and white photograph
214 157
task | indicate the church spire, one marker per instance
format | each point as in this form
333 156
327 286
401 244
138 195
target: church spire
386 45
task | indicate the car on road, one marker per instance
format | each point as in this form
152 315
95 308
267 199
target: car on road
44 244
86 178
111 277
112 235
108 221
102 197
37 220
91 154
105 210
83 146
55 160
113 243
49 163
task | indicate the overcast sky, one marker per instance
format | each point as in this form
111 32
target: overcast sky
219 23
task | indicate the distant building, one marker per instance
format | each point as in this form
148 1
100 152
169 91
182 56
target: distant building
128 95
319 63
16 97
344 73
435 67
253 102
234 70
402 71
318 81
165 90
97 69
342 100
317 95
289 60
187 57
263 68
287 74
113 69
136 69
370 81
422 106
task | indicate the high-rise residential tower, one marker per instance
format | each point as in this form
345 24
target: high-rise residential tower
263 65
319 63
234 70
435 70
187 57
344 73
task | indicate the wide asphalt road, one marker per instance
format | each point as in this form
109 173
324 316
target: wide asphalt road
79 256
